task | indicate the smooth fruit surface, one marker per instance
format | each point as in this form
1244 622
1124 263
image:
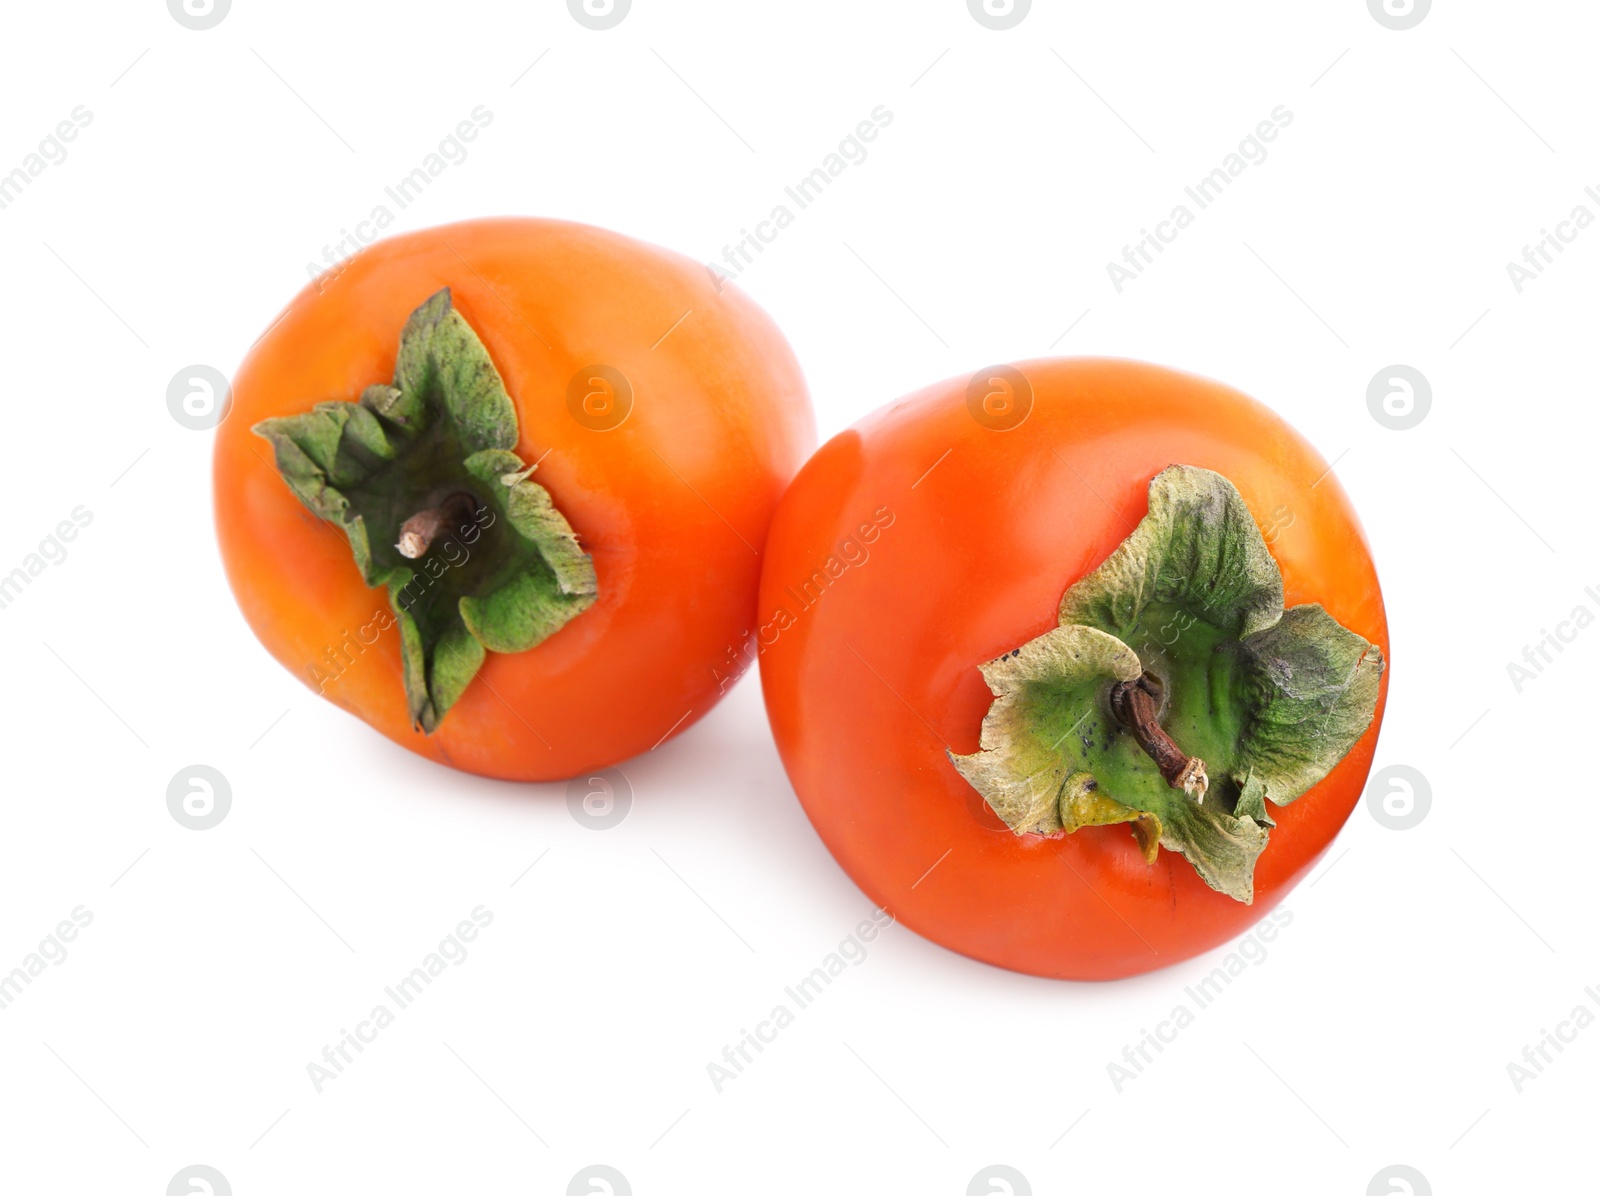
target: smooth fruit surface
672 503
939 533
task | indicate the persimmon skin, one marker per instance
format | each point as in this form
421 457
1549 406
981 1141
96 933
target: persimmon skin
673 504
867 687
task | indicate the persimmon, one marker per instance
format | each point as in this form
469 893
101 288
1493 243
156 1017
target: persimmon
501 489
1077 666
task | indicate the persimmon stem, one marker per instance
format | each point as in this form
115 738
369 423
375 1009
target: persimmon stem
418 533
1136 704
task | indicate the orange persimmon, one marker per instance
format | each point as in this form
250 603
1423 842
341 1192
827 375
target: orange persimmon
1077 666
501 489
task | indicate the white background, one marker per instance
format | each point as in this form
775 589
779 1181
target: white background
1418 964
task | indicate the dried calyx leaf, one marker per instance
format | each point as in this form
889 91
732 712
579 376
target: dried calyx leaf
422 478
1177 695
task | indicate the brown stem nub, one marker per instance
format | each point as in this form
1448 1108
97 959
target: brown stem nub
418 533
1136 703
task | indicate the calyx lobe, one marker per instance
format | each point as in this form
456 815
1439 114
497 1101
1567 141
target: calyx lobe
499 568
1182 625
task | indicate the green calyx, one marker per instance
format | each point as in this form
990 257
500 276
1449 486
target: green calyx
496 567
1177 694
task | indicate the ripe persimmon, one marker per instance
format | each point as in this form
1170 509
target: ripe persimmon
1077 666
501 488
